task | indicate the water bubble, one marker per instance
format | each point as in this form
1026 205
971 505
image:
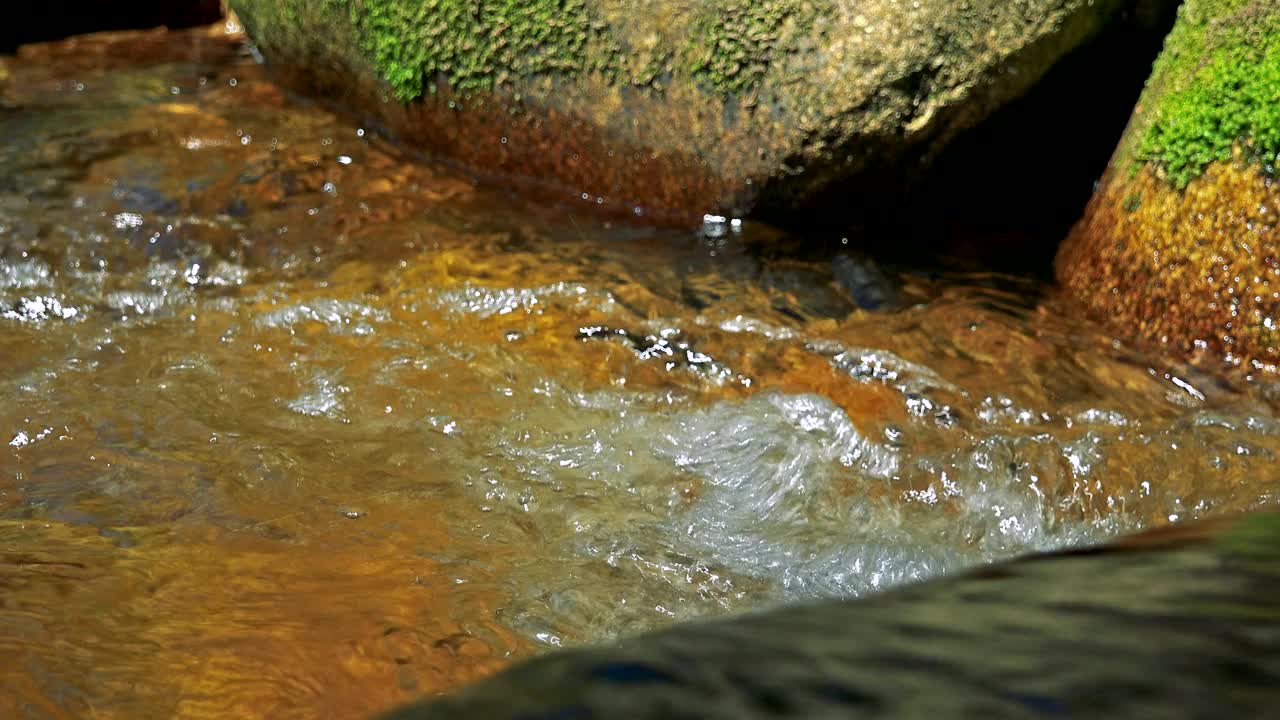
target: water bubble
894 434
714 226
343 317
126 220
40 308
324 399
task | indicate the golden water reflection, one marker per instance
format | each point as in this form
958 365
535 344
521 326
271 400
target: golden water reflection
295 427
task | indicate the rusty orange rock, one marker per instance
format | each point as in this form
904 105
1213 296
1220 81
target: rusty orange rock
1181 245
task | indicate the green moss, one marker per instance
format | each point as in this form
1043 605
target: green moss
1217 83
731 49
727 46
475 45
651 69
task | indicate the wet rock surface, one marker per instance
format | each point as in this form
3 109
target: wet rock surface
1180 244
1167 624
680 108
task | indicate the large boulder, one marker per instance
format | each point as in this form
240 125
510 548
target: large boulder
1178 622
669 108
1180 245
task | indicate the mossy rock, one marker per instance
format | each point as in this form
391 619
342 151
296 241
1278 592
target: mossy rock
1180 245
671 108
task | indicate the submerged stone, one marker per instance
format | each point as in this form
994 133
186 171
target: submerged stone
1179 246
665 109
1177 622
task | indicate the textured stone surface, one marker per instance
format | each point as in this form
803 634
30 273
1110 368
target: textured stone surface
672 108
1181 246
1181 622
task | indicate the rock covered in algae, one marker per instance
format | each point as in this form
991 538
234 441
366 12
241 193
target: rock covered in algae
1181 244
671 108
1178 622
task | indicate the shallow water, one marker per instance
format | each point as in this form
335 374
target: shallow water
296 427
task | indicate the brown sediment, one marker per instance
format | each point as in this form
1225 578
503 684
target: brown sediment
543 152
1195 269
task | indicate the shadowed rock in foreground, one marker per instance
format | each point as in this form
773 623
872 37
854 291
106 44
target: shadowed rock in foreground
1180 622
667 109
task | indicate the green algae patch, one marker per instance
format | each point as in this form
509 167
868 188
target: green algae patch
479 45
1215 85
415 47
474 46
732 48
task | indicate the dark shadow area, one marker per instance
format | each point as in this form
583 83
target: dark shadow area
1004 194
42 22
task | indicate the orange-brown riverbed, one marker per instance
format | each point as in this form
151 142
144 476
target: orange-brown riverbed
294 427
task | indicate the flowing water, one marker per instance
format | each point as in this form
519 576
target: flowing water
295 427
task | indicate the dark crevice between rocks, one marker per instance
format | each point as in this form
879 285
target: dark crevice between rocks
1002 195
42 22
